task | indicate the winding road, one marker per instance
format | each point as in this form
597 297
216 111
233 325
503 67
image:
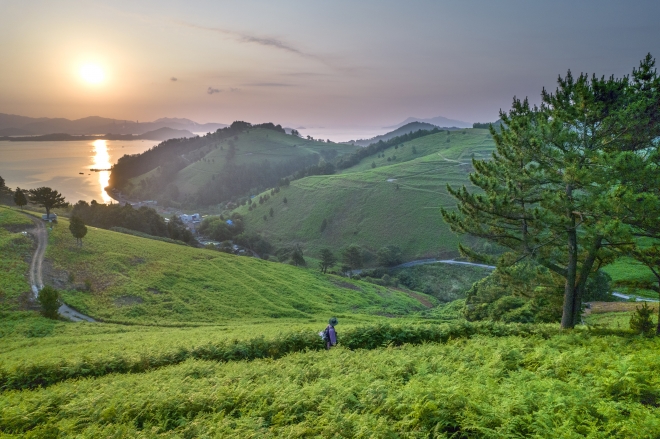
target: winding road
36 277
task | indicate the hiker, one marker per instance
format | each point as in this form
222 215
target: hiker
330 335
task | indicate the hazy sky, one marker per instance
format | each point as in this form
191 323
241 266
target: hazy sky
315 63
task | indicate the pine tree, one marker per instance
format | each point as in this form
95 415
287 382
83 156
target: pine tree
327 260
546 191
19 198
297 257
47 198
352 257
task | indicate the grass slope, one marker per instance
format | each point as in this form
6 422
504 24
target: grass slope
138 280
362 204
15 249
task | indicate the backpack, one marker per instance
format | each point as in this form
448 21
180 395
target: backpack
325 334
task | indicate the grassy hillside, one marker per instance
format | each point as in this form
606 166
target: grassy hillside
396 202
123 278
15 251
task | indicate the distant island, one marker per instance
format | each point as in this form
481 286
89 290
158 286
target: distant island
159 134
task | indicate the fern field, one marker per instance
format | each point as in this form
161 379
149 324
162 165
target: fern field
546 386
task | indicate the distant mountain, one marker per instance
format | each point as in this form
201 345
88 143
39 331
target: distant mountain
439 121
407 128
159 134
15 132
95 125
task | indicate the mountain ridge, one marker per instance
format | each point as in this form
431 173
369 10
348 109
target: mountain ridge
439 121
95 125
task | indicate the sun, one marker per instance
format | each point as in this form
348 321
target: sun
92 73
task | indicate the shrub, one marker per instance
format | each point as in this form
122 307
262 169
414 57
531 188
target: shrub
49 299
641 320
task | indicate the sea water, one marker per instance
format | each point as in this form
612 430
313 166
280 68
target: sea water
66 166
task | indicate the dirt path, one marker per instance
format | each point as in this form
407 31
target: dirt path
36 275
35 266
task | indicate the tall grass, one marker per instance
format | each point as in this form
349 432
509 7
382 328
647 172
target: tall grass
34 374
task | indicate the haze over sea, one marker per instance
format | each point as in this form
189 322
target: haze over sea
58 165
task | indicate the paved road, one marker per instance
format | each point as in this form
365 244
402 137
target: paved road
443 261
435 261
36 277
632 296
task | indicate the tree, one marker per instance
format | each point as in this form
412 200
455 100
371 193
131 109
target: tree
285 200
49 299
47 198
546 192
389 256
297 257
19 198
272 212
78 229
328 259
324 224
352 257
641 321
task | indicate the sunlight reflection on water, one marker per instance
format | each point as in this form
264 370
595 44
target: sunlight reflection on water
102 161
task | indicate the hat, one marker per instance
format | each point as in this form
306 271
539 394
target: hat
333 321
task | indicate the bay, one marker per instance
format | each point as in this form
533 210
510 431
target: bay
66 166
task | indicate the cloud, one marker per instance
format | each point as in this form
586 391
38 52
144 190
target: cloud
173 79
268 84
233 89
253 39
212 90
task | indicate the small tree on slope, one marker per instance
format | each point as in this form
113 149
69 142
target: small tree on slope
49 299
78 229
327 260
19 198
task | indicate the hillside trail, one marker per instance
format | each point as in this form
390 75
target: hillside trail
36 273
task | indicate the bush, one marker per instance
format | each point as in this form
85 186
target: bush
49 299
389 256
641 322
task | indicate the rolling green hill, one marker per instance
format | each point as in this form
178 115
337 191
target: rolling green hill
123 278
377 202
220 166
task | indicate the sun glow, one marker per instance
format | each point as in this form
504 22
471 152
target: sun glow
92 73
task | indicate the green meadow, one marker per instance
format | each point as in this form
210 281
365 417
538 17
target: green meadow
121 278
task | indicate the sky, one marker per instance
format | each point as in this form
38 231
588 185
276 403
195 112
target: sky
308 63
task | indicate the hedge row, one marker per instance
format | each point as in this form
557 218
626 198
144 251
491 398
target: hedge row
365 337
